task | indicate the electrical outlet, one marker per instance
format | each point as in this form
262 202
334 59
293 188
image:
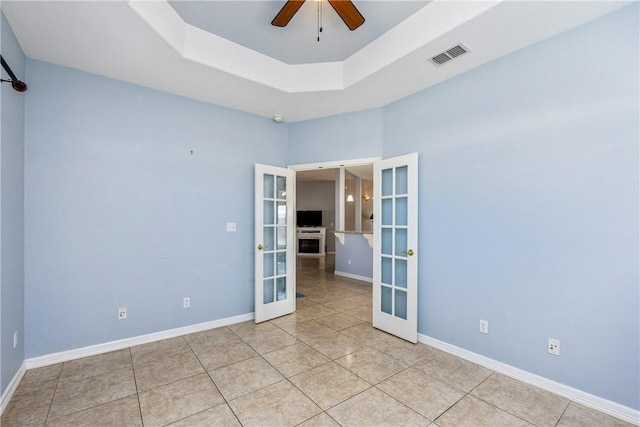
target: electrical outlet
231 227
186 302
15 339
554 346
349 261
122 313
484 326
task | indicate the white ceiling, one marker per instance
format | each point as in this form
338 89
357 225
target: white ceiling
150 44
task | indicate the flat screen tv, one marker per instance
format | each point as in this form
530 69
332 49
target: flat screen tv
309 218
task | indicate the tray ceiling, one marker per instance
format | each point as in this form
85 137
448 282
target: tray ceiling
178 48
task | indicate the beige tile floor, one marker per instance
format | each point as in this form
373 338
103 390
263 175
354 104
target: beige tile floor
322 366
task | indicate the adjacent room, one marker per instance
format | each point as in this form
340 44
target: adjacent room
320 213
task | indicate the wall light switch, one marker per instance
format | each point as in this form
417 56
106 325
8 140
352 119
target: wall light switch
231 227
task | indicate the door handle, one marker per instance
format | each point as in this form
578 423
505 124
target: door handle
408 252
260 247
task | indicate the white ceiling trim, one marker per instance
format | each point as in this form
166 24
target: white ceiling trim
202 47
194 44
148 44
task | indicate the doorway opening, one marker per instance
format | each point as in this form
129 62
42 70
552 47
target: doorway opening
391 256
342 192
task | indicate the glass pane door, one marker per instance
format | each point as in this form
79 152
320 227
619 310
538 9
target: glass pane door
395 247
274 263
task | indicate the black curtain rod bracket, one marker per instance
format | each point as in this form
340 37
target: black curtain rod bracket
16 84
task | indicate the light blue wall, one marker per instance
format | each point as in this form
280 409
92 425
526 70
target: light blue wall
347 136
120 213
11 211
529 206
357 250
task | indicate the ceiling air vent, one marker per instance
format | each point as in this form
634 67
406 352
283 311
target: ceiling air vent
441 59
450 54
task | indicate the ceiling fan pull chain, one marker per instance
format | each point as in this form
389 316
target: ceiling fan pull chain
319 18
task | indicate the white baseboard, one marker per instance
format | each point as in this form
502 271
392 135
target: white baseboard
11 388
598 403
65 356
608 407
353 276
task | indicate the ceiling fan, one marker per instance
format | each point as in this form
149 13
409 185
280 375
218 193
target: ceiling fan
344 8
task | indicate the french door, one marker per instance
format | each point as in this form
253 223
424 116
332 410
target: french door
275 252
395 250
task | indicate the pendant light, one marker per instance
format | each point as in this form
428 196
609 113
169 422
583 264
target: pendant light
350 196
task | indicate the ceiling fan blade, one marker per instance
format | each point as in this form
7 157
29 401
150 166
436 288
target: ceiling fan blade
286 13
348 12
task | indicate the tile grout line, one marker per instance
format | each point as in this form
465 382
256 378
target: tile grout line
54 393
401 402
214 384
563 412
465 395
76 411
261 388
135 381
324 364
507 411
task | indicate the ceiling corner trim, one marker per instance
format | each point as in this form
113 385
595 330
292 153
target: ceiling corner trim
216 52
317 77
202 47
165 21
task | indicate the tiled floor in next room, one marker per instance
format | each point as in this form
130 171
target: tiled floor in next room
322 366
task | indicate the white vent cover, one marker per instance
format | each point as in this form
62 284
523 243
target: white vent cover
450 54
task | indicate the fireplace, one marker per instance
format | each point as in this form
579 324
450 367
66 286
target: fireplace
311 241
